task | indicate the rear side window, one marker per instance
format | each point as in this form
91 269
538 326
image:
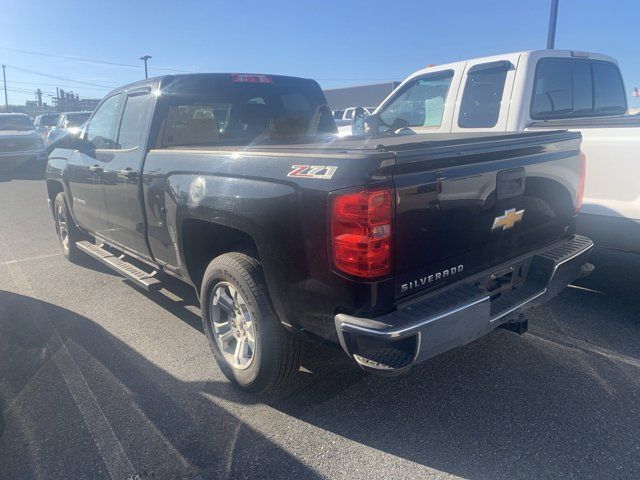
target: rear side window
482 96
421 102
570 88
137 111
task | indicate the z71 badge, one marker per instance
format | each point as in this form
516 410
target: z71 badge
321 172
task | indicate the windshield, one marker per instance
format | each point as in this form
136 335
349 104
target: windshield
420 102
47 120
228 109
16 122
77 119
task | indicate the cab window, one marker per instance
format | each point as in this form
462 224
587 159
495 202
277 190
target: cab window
101 129
482 95
421 101
222 110
137 111
570 88
608 90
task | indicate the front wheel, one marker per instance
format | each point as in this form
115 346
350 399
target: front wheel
249 343
68 232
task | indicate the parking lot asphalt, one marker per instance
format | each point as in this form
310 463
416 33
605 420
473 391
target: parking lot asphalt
101 380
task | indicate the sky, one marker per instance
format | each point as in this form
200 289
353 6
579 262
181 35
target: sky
338 43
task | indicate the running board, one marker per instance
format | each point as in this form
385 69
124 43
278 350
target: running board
143 279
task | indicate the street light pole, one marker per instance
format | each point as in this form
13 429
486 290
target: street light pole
553 20
4 80
144 59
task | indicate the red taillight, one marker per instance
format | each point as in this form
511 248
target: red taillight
583 176
361 232
250 78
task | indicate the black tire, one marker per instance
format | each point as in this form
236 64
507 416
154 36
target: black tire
277 354
61 214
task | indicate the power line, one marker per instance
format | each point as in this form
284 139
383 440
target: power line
66 79
90 60
166 69
77 87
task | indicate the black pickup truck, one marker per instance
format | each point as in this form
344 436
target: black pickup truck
396 247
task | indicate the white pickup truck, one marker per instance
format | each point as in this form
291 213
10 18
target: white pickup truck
543 89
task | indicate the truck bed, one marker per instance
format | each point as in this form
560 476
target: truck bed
358 145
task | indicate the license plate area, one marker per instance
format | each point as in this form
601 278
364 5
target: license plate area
505 279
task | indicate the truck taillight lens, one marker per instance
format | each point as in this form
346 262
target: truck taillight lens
583 176
361 232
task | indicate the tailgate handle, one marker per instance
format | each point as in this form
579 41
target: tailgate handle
510 183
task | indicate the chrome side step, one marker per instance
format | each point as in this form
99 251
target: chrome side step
145 280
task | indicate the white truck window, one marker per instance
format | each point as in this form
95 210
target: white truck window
608 90
568 87
420 102
480 105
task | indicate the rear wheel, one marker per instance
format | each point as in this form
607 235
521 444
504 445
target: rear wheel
68 232
248 341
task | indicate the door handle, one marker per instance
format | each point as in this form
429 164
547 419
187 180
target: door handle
96 169
128 172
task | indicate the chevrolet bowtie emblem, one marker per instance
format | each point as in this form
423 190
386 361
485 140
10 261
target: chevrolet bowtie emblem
508 220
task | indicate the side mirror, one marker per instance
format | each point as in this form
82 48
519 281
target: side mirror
87 147
72 142
358 122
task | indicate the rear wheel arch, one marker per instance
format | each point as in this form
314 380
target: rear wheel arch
202 241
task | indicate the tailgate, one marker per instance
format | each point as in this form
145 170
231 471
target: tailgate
465 207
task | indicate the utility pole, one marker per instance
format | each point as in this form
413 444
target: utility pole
4 79
144 59
553 20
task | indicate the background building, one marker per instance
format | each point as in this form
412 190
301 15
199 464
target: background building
71 102
359 96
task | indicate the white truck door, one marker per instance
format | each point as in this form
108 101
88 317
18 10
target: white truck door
484 97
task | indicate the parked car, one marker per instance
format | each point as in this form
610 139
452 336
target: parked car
46 122
346 116
69 123
343 119
395 247
20 142
538 90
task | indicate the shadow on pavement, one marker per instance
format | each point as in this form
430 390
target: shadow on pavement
166 427
558 402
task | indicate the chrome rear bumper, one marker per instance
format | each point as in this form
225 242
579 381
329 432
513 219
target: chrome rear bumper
453 317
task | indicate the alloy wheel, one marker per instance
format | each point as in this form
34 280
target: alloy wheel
232 325
63 231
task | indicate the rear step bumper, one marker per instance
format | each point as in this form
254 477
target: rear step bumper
458 315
